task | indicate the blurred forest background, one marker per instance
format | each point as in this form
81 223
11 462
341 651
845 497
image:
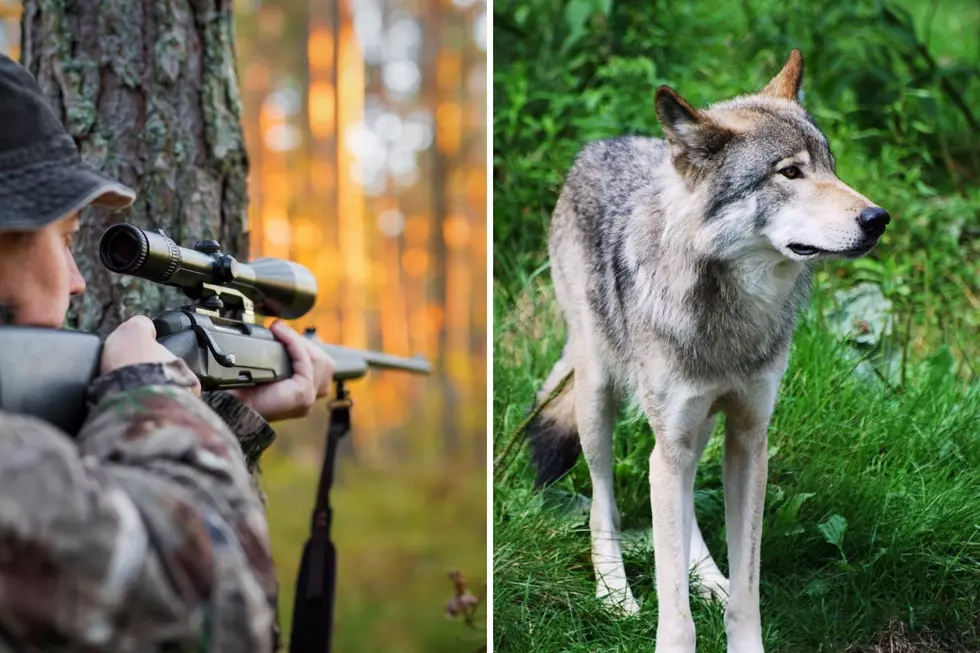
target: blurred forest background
365 123
871 536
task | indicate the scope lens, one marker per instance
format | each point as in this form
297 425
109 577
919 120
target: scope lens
122 249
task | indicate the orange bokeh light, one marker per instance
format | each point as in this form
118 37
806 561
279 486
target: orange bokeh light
476 186
456 231
447 70
322 177
415 262
320 49
308 235
449 119
416 230
277 229
434 316
322 109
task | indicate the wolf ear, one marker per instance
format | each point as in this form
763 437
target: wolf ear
693 136
788 83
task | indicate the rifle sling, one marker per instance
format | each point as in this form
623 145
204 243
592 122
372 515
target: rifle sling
340 422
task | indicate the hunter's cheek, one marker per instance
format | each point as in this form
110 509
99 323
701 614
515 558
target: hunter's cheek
48 284
15 279
76 282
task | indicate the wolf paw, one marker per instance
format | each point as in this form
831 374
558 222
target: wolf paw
745 645
743 630
619 602
675 635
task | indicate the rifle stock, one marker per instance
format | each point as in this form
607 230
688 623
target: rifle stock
44 373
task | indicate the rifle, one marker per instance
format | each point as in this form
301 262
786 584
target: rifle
218 338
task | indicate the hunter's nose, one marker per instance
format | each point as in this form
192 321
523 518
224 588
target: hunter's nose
873 220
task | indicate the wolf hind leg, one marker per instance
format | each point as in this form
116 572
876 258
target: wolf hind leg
711 583
595 411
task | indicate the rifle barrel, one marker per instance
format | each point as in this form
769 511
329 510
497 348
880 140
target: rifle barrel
353 363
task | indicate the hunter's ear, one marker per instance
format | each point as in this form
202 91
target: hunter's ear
693 136
788 84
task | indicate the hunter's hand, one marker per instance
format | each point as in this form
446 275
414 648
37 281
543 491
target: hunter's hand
134 342
295 396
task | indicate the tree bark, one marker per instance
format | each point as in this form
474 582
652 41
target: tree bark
148 89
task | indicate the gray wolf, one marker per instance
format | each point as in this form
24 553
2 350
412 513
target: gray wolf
679 266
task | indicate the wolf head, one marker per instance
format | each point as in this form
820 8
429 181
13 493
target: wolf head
766 175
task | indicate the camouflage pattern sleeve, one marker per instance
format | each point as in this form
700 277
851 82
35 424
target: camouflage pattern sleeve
144 534
253 432
254 436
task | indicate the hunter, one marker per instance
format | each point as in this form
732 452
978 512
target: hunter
146 532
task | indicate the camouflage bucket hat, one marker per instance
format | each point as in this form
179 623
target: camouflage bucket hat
42 175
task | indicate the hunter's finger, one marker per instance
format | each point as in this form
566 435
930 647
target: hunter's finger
196 388
302 364
324 367
140 326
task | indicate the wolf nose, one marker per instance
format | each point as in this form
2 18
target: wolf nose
873 220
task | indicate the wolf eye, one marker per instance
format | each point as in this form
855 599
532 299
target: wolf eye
791 172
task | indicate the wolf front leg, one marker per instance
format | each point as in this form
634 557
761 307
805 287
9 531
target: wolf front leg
745 471
677 415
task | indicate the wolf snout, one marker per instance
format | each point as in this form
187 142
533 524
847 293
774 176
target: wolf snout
873 221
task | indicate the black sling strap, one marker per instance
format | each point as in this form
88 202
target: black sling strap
316 584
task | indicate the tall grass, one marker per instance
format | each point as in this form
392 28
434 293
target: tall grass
872 513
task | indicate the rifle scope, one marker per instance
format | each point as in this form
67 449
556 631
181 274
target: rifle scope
277 287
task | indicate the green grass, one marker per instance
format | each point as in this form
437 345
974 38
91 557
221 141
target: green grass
900 469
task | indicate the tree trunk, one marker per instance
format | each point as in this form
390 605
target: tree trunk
148 90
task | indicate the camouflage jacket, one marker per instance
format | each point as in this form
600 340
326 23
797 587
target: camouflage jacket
145 533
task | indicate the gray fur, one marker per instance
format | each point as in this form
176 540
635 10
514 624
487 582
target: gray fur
609 211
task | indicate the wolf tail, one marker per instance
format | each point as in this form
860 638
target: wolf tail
552 433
